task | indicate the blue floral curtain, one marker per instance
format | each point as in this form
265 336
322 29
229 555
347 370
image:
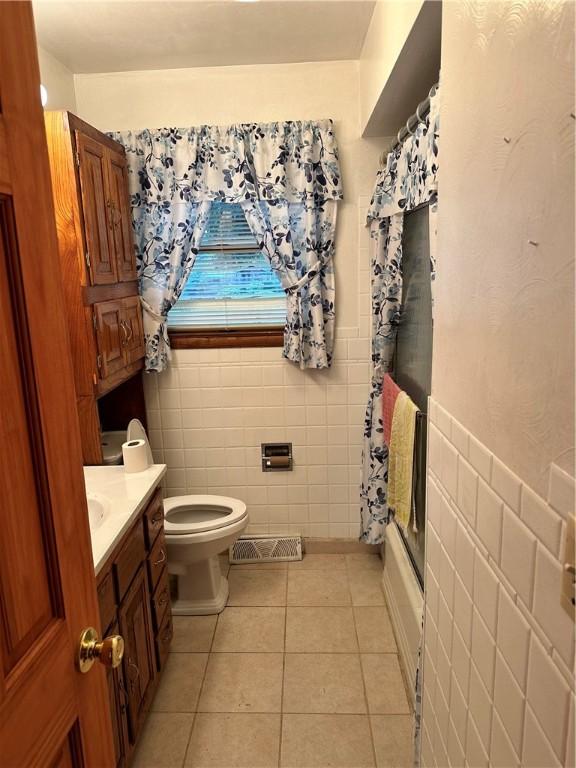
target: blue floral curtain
287 178
298 239
407 180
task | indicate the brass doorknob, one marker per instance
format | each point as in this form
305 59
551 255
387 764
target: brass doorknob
108 651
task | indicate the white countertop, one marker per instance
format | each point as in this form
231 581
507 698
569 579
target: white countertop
127 494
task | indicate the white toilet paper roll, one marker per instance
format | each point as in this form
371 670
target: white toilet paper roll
135 456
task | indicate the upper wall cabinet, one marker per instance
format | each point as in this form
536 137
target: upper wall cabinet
104 193
90 186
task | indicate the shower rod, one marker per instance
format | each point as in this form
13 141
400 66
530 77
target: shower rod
407 130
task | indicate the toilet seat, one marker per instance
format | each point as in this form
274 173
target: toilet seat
185 515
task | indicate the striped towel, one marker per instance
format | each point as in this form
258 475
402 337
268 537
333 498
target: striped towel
390 391
401 459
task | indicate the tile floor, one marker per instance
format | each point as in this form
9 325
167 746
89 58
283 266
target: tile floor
299 671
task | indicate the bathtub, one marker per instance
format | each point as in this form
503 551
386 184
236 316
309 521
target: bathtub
405 601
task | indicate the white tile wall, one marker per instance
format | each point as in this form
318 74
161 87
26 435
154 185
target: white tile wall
500 690
209 413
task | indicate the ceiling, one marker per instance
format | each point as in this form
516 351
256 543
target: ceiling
116 36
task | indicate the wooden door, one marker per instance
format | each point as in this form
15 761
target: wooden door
134 347
139 658
50 713
119 710
122 242
98 221
110 337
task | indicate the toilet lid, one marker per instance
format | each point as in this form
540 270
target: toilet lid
136 431
195 514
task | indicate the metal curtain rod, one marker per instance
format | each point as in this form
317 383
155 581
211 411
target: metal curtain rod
421 111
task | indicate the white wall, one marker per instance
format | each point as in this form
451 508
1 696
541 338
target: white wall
209 415
58 80
504 324
389 27
499 648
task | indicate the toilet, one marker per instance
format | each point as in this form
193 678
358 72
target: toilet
197 529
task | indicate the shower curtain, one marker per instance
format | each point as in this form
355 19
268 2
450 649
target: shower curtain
407 180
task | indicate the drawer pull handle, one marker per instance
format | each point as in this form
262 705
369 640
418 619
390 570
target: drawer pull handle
162 558
163 598
157 519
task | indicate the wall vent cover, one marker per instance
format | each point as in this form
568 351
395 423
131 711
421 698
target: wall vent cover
265 549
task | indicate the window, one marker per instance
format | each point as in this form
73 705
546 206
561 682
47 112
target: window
231 292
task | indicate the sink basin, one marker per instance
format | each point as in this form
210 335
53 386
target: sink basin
98 509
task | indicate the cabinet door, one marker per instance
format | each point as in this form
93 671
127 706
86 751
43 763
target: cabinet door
134 347
111 335
139 662
121 238
92 162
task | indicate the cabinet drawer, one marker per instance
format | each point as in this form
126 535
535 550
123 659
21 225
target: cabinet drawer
107 602
128 561
157 560
154 518
164 638
161 598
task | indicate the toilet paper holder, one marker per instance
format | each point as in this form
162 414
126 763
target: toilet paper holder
276 457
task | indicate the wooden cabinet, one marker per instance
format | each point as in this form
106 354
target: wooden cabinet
92 161
109 338
132 322
134 600
97 257
139 656
102 172
119 338
121 224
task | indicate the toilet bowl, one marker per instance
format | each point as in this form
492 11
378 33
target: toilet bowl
197 529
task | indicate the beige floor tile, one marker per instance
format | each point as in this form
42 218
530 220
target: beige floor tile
319 563
374 629
242 682
250 629
163 741
384 684
323 683
192 633
257 588
359 562
326 741
366 587
320 630
318 588
393 740
234 741
278 565
180 683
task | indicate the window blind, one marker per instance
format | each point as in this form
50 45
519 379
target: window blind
231 283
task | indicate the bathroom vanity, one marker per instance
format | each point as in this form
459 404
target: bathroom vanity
129 550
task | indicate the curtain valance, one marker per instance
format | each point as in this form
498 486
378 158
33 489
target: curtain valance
408 178
293 161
